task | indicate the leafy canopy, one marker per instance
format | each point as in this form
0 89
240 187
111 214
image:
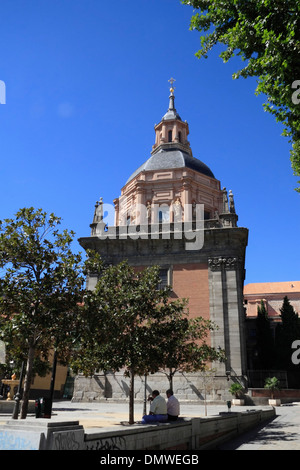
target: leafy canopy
40 279
123 318
41 285
132 324
265 34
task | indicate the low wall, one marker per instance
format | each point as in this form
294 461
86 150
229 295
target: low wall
186 434
7 406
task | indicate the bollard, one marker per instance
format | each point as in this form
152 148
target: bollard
37 408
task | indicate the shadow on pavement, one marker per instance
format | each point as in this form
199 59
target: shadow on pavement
266 432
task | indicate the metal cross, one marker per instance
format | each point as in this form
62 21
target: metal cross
172 80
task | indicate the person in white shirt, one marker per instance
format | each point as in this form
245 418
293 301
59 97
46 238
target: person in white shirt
158 409
173 407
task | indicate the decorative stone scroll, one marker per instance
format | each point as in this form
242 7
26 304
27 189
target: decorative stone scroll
216 264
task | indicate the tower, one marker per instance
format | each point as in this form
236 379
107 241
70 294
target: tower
172 212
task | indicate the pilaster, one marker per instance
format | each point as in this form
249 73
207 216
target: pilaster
225 308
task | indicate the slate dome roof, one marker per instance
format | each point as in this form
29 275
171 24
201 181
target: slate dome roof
166 159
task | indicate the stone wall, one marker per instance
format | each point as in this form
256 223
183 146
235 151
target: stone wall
186 434
189 387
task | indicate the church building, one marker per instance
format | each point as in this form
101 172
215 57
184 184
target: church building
173 212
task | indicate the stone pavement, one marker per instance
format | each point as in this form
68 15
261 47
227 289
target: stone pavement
111 413
282 433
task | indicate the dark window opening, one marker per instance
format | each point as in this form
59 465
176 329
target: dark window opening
164 278
170 136
164 215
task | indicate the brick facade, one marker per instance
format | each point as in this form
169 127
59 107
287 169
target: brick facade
191 281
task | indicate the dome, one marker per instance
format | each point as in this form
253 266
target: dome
166 159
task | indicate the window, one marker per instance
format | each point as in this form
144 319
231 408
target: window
164 214
169 136
165 278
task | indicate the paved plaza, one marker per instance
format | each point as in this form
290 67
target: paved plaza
111 413
282 433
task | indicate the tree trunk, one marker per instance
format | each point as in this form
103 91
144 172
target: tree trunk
170 378
52 383
131 398
27 382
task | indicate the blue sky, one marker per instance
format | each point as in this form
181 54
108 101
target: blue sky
87 80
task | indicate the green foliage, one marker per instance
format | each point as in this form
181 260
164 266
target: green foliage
286 332
184 346
40 288
272 384
265 34
131 324
265 342
236 389
41 280
123 317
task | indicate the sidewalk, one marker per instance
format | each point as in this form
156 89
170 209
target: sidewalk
283 433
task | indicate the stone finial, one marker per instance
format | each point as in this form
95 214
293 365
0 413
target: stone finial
225 201
231 202
98 214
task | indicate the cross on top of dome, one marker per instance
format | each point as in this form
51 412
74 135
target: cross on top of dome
172 80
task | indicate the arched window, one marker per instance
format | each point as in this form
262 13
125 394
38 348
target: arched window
164 214
169 136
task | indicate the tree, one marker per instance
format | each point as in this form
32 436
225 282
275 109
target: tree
286 332
265 340
123 315
40 290
129 324
265 34
207 376
185 348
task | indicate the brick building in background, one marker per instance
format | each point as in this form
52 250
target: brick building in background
272 295
158 220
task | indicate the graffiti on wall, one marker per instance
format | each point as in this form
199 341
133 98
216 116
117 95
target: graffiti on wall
109 443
